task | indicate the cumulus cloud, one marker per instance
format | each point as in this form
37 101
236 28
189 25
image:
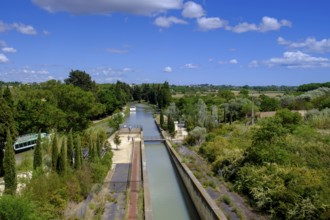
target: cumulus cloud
24 29
190 66
206 24
244 27
140 7
116 51
272 24
254 64
309 45
168 69
9 50
19 27
26 74
3 58
232 61
266 24
166 22
192 10
298 59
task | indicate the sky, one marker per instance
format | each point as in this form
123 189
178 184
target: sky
220 42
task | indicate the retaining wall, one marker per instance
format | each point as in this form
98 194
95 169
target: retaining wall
204 204
146 191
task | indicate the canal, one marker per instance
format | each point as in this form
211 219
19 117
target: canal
169 198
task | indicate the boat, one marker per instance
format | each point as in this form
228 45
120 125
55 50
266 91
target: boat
132 109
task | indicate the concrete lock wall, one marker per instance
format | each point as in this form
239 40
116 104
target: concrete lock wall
146 191
204 204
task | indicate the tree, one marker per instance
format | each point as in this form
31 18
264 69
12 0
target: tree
226 94
9 166
70 149
54 153
269 104
161 120
201 112
170 125
37 154
116 120
117 140
91 150
78 153
198 134
6 121
8 97
81 79
62 159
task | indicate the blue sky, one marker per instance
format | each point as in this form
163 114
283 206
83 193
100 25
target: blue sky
235 42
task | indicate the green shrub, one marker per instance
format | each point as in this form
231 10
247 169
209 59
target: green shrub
17 208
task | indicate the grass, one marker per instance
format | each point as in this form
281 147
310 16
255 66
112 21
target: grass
227 200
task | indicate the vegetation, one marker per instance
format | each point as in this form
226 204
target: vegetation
282 163
9 166
117 140
37 154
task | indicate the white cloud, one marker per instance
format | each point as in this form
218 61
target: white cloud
168 69
206 24
272 24
140 7
108 71
233 61
298 59
3 58
309 45
19 27
244 27
26 74
192 10
166 22
267 24
190 66
9 50
254 64
46 32
24 29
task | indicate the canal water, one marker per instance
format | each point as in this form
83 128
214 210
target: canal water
169 198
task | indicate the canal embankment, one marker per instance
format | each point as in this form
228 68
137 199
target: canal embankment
204 204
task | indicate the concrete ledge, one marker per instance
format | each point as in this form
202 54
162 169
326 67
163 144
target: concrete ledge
204 204
146 191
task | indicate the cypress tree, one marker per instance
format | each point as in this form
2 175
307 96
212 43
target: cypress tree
70 149
6 123
62 159
37 155
54 153
98 147
8 97
78 153
161 120
170 125
9 166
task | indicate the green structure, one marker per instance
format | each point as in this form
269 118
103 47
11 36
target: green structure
27 141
